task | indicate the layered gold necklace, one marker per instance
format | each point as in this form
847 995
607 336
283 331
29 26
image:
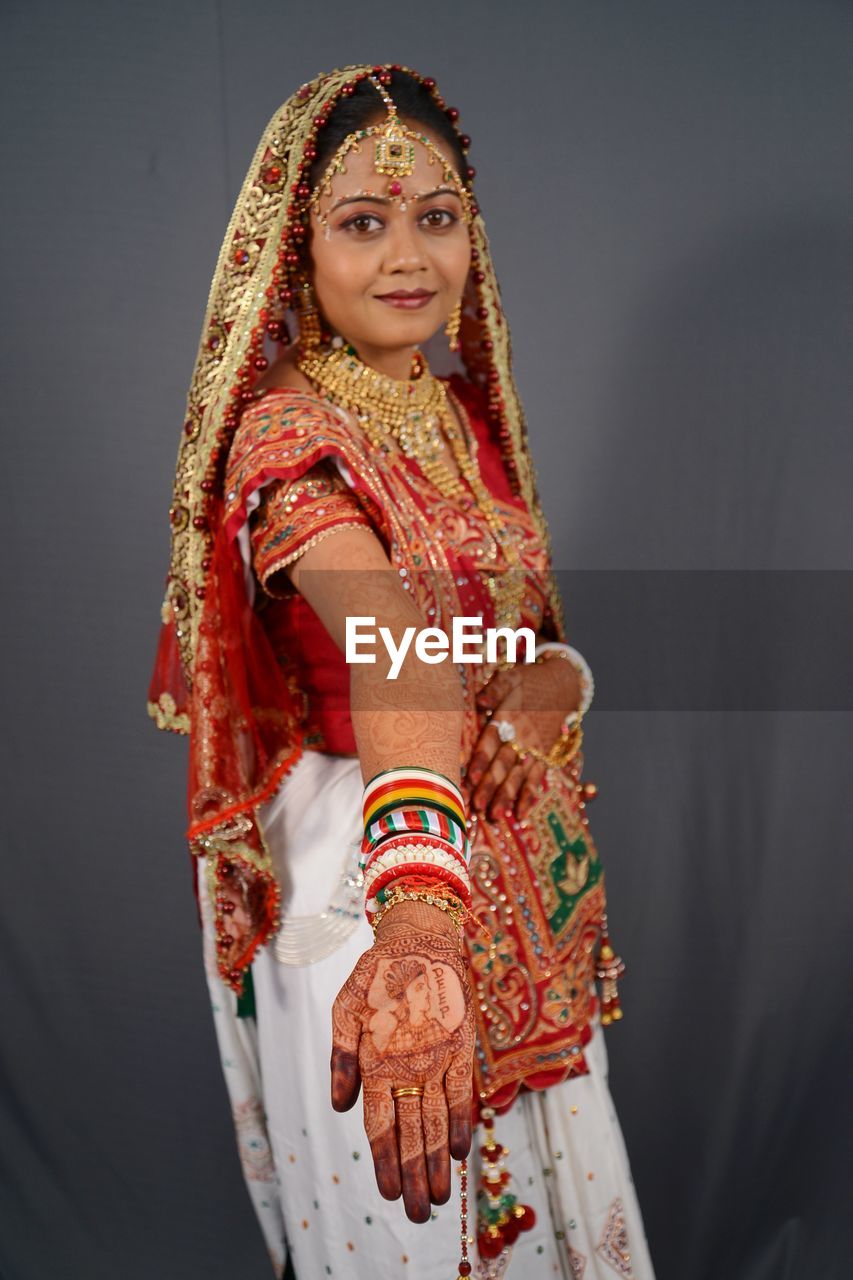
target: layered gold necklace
417 414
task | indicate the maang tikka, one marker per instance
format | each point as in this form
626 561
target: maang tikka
393 156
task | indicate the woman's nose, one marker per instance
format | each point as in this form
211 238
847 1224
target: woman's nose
405 252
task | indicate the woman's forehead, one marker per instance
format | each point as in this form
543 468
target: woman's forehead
360 174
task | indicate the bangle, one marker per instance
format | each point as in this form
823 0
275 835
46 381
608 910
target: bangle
396 849
374 901
423 820
411 787
437 897
414 823
441 868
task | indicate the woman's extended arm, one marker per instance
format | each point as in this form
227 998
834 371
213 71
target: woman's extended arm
415 719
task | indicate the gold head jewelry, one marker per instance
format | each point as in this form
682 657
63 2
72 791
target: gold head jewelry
393 157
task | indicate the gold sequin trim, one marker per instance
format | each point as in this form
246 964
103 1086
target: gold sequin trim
303 547
165 716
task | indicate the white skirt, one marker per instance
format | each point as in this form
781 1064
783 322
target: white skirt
309 1169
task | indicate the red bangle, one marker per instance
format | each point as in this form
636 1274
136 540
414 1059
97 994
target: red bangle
421 868
417 868
422 840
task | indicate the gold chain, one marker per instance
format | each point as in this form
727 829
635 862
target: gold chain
415 413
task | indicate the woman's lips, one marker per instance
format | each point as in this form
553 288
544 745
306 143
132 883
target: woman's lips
407 301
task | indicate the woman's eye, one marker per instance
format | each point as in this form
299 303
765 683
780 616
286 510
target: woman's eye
361 220
440 217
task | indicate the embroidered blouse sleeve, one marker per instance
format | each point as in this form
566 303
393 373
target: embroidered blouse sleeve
296 514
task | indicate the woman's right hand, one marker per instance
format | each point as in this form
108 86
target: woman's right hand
404 1019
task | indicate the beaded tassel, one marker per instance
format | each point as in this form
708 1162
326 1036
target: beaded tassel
500 1217
608 969
464 1261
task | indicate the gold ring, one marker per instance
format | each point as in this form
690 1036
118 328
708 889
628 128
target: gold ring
415 1091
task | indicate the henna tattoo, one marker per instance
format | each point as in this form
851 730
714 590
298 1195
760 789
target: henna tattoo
536 698
435 1123
404 1017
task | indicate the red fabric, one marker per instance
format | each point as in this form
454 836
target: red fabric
267 679
296 634
299 639
293 514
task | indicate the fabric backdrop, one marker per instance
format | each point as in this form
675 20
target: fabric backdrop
669 195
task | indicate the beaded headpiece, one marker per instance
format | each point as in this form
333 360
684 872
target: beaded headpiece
253 299
393 156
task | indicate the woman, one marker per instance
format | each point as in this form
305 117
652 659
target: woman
341 480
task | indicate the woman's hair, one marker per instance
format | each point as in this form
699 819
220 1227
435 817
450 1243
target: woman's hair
364 107
400 974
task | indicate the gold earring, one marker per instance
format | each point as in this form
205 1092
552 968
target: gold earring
310 329
453 324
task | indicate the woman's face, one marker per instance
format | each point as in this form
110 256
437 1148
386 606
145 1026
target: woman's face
373 249
418 995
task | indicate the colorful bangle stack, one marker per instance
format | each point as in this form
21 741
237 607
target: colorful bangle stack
414 824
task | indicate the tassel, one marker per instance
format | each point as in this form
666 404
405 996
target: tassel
465 1267
500 1217
608 969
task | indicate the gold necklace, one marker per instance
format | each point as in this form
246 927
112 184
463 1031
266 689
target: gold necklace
416 412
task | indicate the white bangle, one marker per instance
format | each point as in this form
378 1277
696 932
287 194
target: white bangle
581 665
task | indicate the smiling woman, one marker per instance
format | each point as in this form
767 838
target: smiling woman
397 876
390 268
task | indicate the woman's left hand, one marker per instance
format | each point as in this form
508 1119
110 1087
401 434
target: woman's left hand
404 1019
535 698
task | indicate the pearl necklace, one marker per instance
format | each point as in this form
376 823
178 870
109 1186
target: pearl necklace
416 413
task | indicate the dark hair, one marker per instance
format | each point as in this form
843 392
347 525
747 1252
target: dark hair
413 100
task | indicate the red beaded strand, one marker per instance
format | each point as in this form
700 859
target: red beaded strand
464 1262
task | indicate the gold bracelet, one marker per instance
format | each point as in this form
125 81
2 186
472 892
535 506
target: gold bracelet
563 751
457 911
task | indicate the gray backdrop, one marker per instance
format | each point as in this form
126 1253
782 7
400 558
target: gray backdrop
669 195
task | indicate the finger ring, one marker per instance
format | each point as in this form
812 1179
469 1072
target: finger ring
414 1091
506 730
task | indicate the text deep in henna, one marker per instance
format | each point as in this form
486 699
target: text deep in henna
404 1018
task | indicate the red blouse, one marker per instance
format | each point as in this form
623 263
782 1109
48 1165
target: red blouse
296 514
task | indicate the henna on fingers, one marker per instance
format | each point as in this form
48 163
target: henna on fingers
379 1125
535 698
529 793
435 1123
413 1171
459 1090
346 1033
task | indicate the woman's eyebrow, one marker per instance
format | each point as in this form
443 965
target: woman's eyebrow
427 195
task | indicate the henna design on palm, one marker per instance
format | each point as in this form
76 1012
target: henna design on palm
404 1018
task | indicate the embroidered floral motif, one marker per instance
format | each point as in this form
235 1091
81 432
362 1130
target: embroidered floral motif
295 515
577 1263
255 1154
613 1245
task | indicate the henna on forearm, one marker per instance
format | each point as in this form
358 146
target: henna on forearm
416 719
408 918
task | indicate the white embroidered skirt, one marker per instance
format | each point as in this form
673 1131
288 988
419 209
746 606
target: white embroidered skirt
309 1170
